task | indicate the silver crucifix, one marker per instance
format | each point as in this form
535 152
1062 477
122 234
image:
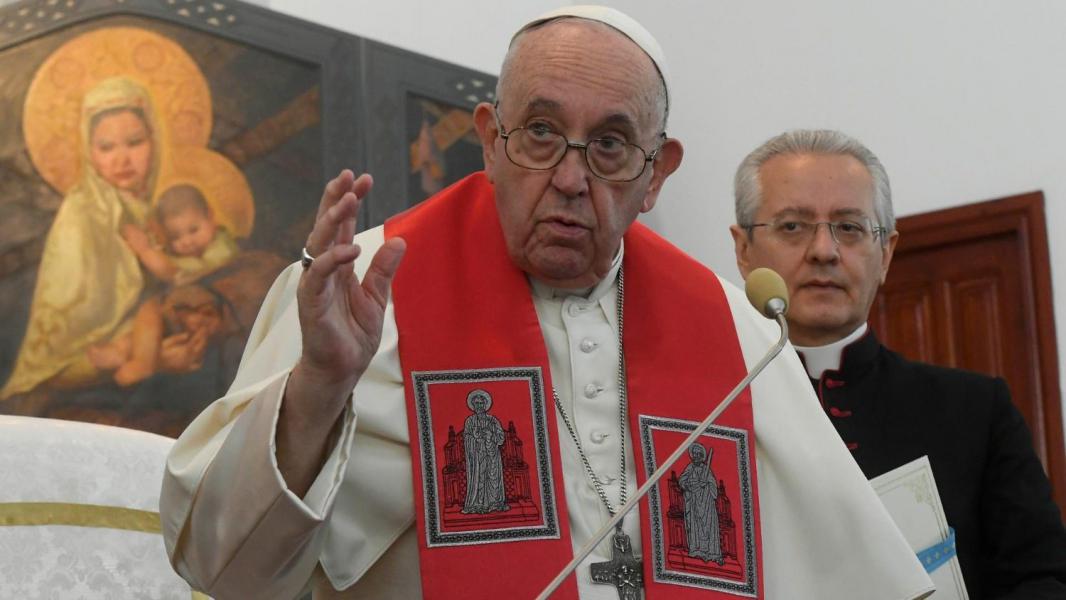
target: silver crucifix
623 571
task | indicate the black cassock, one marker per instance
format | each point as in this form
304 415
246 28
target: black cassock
889 411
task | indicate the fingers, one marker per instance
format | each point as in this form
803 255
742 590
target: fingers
361 187
346 228
378 278
337 205
317 277
335 189
328 227
336 220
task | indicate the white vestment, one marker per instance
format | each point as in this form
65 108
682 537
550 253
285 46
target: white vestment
233 529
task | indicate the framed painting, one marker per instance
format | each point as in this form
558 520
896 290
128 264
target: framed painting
420 123
160 164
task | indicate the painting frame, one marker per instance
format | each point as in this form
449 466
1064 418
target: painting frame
332 51
355 80
399 78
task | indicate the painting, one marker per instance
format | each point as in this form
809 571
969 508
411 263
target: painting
160 164
444 147
420 124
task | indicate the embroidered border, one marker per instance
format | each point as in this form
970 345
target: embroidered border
659 570
549 528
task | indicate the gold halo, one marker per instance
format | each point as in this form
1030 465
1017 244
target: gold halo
178 90
220 181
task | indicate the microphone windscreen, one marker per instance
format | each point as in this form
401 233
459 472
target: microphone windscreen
762 285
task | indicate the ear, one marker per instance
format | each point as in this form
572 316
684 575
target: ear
886 254
741 247
666 162
487 132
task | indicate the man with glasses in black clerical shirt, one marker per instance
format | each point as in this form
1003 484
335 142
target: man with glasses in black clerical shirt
340 449
816 206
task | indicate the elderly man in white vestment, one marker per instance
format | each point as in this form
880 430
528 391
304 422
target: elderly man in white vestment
301 476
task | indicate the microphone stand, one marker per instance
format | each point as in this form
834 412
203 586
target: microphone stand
777 307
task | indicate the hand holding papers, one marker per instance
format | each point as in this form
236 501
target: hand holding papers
909 494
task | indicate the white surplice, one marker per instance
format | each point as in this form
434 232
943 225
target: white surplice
233 529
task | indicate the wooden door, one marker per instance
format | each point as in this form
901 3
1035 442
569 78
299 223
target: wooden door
970 287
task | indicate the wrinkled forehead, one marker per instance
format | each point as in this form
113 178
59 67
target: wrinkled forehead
617 21
582 70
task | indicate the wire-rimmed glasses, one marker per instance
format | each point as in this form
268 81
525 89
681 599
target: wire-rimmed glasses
796 232
538 147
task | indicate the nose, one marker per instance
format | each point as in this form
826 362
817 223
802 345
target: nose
571 175
823 246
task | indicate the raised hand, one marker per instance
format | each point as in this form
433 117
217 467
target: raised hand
341 317
340 321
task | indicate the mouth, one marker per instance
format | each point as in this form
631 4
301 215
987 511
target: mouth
565 228
822 285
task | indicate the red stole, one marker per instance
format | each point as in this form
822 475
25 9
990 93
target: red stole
489 503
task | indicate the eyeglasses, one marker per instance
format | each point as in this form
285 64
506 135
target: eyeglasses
540 148
794 232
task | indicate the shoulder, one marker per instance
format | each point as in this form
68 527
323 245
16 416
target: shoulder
223 240
645 242
976 395
221 249
944 376
77 204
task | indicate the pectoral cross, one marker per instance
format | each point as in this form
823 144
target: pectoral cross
623 571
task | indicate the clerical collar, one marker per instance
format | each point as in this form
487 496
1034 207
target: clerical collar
819 359
594 293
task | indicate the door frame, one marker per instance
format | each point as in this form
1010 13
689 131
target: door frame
1022 216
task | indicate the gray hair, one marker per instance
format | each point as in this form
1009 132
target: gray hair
747 188
661 99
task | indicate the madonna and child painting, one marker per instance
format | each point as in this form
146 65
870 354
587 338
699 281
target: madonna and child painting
156 177
148 203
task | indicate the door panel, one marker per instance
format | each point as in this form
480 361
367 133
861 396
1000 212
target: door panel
970 287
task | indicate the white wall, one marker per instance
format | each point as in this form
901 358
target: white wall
962 100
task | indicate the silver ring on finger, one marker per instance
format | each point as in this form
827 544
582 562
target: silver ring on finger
305 258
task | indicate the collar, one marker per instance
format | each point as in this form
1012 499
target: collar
831 357
594 293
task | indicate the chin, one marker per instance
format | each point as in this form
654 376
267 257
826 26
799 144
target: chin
820 320
562 265
568 279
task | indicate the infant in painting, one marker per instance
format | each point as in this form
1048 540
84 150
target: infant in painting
195 246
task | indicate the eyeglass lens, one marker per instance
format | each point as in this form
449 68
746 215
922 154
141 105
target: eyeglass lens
802 232
607 158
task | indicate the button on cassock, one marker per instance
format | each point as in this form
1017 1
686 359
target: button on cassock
598 437
576 309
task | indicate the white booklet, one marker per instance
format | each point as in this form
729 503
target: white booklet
909 494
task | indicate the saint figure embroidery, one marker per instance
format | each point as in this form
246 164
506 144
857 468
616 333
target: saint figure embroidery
476 429
700 489
703 517
482 438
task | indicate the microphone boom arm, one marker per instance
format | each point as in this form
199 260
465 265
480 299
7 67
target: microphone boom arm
669 462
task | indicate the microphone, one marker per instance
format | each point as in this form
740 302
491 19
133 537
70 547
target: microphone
768 294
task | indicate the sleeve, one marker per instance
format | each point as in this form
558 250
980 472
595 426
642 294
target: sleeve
231 526
825 533
1025 539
